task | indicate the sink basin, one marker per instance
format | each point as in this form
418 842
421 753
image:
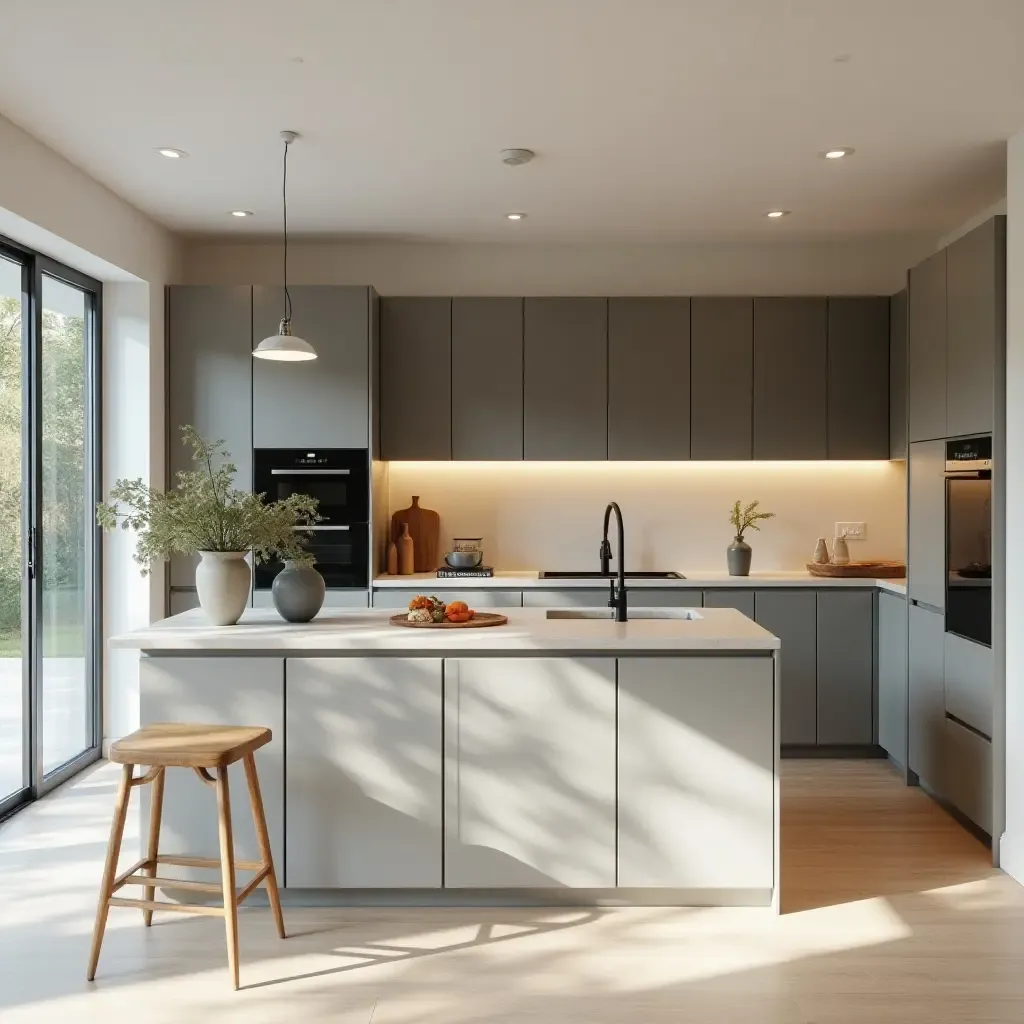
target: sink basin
584 575
690 614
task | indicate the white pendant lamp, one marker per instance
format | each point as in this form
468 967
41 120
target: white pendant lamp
285 346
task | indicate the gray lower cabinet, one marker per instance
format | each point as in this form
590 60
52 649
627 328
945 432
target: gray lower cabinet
926 512
416 381
597 597
892 676
969 676
721 378
649 378
393 597
530 772
845 667
731 597
209 382
967 773
364 773
217 691
487 378
182 600
332 599
790 378
695 772
792 615
926 362
566 379
898 325
926 695
858 377
324 402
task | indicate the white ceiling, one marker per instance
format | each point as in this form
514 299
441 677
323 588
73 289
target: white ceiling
653 120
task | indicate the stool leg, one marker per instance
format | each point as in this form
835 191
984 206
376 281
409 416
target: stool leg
110 868
260 821
227 871
155 813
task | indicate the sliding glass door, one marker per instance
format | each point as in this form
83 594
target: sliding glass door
49 544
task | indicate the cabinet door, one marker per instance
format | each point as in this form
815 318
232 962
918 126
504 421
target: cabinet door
792 616
696 791
721 378
482 597
364 773
487 379
970 682
892 676
597 597
967 773
217 691
566 379
209 383
731 597
649 378
790 378
926 362
926 699
898 376
324 402
926 542
416 378
846 654
858 377
976 308
529 772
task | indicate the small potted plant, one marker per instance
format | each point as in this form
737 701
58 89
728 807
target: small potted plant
203 514
743 518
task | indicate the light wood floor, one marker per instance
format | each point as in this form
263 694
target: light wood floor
893 914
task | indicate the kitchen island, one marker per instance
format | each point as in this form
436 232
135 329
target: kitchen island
562 758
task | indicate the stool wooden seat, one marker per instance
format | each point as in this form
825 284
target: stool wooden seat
201 748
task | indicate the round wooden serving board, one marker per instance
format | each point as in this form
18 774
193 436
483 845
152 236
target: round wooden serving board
878 570
479 621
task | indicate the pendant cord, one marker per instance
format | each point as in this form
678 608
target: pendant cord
284 203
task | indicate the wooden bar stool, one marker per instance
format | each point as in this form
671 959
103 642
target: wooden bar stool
201 748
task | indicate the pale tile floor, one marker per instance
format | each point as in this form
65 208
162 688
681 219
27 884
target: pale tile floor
893 913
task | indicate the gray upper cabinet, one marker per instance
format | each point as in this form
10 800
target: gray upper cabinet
790 378
416 380
926 547
487 378
324 402
791 615
898 376
566 379
649 378
845 667
926 364
722 378
210 360
892 676
975 307
858 377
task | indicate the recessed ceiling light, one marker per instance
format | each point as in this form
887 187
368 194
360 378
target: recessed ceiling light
776 214
241 213
172 154
838 153
516 216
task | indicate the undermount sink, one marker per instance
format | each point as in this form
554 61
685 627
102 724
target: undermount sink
598 575
689 614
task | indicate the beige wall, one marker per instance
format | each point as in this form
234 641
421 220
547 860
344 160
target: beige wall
548 515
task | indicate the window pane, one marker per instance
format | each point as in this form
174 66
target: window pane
12 711
66 527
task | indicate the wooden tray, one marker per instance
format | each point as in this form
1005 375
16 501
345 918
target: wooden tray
479 621
859 570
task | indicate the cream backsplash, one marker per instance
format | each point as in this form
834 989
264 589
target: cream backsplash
547 515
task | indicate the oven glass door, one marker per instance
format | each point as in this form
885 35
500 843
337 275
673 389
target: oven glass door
342 556
969 557
341 493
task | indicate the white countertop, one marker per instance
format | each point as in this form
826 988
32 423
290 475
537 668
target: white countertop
524 579
528 631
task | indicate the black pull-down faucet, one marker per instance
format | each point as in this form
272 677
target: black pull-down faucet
616 597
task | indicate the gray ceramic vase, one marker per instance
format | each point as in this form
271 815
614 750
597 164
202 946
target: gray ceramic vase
738 555
299 592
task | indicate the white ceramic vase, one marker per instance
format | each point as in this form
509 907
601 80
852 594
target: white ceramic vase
223 580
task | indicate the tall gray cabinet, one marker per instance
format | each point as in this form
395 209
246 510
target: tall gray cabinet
926 383
926 510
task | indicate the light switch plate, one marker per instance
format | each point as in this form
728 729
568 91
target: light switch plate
851 531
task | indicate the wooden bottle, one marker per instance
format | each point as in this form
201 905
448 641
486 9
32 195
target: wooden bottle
406 555
392 563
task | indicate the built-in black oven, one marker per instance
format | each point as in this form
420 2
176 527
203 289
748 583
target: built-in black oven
969 539
339 478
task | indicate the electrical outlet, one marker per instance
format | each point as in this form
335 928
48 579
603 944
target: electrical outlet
851 531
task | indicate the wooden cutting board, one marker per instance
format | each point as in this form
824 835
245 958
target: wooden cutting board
425 530
860 570
479 621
